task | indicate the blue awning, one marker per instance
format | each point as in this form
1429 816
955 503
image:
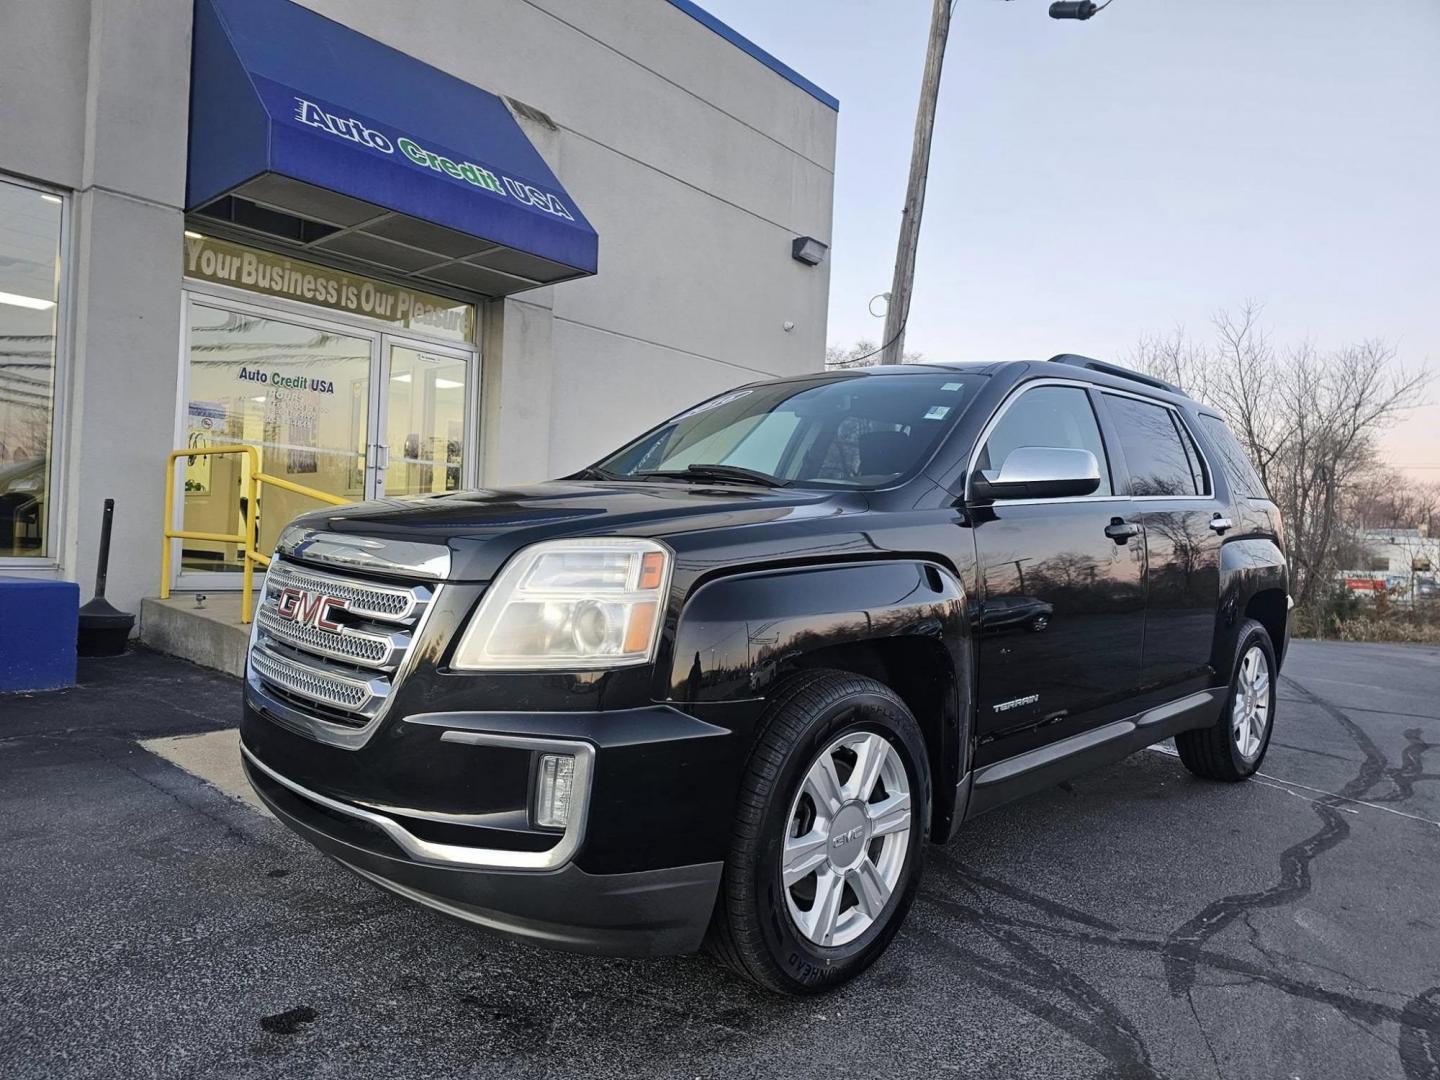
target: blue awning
306 131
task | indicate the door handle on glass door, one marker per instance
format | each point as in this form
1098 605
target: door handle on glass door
382 456
1121 530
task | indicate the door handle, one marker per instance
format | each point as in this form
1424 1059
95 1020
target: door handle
1121 530
1221 523
382 456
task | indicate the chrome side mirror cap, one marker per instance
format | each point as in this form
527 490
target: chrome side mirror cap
1039 472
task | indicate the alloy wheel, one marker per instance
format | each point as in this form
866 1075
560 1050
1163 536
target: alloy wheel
847 836
1250 714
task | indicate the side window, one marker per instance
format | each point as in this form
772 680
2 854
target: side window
1047 416
1159 451
1244 480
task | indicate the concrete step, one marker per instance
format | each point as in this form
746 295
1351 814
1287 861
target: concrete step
212 636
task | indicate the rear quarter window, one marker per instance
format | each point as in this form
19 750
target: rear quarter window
1243 478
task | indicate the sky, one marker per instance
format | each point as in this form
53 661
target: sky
1094 181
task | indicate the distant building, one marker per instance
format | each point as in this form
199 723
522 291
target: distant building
1402 562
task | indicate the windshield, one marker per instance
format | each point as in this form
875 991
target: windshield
862 431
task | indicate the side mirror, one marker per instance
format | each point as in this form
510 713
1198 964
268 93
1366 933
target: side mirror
1039 472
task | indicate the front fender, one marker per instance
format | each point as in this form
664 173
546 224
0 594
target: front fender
738 635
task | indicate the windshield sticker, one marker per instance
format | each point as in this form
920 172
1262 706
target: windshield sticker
706 406
937 412
951 386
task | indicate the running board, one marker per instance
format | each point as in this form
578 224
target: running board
1046 766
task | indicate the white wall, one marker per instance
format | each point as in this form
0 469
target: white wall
44 54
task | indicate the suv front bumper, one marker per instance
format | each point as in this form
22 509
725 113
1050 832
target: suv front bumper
436 808
642 913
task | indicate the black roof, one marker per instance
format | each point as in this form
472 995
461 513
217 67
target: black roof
1099 372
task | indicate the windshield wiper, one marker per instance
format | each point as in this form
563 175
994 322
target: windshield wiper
720 472
594 472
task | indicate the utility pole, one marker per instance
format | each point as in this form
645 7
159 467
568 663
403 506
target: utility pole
899 310
901 286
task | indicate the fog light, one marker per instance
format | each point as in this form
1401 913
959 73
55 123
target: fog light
552 793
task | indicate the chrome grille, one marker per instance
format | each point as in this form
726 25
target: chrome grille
388 603
371 650
333 690
344 664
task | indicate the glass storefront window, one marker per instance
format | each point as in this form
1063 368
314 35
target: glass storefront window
30 236
300 394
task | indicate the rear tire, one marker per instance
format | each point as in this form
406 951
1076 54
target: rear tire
1235 745
827 848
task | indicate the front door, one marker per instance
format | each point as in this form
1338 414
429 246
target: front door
426 407
1061 581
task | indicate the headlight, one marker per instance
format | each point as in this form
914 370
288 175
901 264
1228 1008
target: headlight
577 605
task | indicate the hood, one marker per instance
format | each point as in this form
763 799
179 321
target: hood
483 528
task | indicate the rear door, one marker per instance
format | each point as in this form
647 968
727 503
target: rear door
1061 586
1174 488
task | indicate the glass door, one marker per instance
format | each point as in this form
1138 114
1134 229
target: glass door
301 394
425 406
354 413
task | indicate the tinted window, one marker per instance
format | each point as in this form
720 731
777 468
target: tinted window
1242 475
1058 416
1159 452
852 431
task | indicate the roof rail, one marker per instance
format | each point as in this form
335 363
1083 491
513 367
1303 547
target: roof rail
1076 360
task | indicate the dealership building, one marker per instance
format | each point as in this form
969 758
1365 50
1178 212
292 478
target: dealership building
396 249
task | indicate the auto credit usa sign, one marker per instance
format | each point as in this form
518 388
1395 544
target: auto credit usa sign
340 125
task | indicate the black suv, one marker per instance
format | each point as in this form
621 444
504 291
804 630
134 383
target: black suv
723 686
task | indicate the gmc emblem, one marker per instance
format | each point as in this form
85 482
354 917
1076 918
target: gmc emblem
309 609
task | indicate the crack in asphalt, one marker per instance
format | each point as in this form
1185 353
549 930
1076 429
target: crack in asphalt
1420 1036
1026 980
1412 769
1294 863
1418 1018
1031 978
1209 1046
1186 941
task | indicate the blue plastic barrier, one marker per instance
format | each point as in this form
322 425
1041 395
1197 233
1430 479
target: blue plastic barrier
38 627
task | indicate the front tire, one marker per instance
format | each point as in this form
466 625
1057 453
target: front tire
1233 748
826 855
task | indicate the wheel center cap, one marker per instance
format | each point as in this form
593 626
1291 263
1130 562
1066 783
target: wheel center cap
849 832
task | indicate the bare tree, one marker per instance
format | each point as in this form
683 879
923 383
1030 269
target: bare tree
1308 418
863 353
1176 359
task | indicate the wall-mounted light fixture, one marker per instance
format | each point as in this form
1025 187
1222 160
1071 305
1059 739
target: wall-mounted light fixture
808 250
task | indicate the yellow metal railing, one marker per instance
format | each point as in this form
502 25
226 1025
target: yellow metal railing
246 540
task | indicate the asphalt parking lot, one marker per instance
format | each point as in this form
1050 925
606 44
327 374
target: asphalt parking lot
1134 923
